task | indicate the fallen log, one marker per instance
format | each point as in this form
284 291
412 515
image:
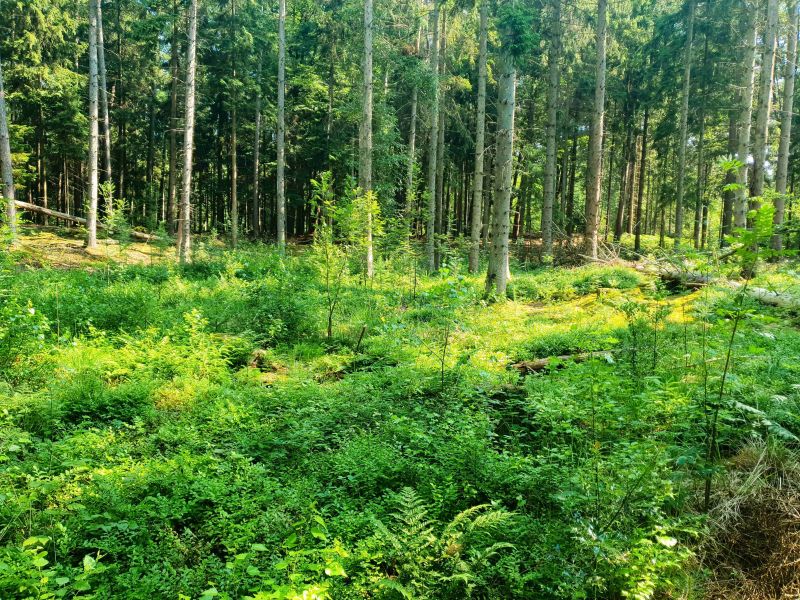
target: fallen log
138 235
691 279
558 362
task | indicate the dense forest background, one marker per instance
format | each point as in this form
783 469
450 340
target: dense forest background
684 85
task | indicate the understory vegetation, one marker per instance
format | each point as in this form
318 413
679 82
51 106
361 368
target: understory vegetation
195 432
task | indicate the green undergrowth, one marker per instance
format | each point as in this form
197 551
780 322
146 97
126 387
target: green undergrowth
194 433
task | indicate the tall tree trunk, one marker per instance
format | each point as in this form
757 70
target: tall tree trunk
234 127
595 164
786 124
729 195
433 142
280 201
700 200
91 216
412 149
365 135
441 218
570 208
554 79
256 208
101 63
173 126
5 162
761 134
747 65
637 243
185 222
687 80
497 275
480 133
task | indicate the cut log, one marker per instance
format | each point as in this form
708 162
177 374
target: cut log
690 279
138 235
540 364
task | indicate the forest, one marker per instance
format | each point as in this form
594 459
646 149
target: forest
429 299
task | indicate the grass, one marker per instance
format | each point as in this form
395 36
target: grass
191 432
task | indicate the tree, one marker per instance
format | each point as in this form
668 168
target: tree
234 127
497 274
687 78
185 240
256 208
747 74
173 124
433 141
91 216
480 133
553 81
365 135
782 173
595 162
280 200
6 163
101 63
764 102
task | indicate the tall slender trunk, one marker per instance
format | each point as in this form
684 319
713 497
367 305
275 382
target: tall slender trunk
256 208
497 275
173 126
729 195
480 136
280 201
365 135
185 222
637 243
595 164
6 164
554 78
700 200
687 81
433 141
412 148
441 218
747 65
570 208
101 63
761 135
91 215
234 126
781 175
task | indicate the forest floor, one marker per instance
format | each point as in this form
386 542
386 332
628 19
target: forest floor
193 432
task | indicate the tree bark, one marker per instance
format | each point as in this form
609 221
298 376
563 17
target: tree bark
637 243
761 135
745 114
188 144
365 135
441 219
173 127
497 275
280 201
412 149
595 164
480 149
554 78
687 80
430 217
6 163
91 220
101 63
256 208
786 125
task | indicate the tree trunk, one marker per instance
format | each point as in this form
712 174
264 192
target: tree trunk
365 136
173 126
185 222
412 149
101 63
687 80
786 125
280 201
554 78
5 162
746 111
480 133
570 209
595 164
729 195
433 141
91 220
700 200
441 220
497 275
637 243
256 208
761 135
